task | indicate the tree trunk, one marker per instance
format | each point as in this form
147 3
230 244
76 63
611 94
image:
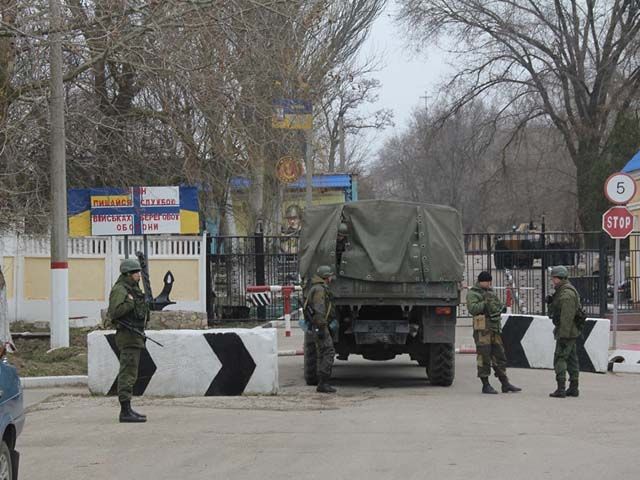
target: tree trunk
593 168
5 332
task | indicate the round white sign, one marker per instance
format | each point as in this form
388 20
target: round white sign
620 188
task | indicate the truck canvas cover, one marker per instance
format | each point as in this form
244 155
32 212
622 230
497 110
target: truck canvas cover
389 241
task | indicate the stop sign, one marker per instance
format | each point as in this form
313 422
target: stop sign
617 222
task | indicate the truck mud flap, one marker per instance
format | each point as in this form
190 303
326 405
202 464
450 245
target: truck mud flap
438 330
392 332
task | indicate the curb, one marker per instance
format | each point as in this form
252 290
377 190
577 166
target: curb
49 382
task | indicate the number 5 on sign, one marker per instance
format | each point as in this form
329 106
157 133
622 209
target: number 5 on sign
620 188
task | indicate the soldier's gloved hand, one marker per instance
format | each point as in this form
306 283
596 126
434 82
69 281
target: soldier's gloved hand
549 299
504 309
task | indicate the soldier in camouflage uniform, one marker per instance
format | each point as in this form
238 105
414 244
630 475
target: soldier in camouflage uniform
486 307
563 307
127 306
341 242
319 298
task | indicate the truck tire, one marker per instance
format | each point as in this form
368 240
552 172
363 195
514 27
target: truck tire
442 367
310 360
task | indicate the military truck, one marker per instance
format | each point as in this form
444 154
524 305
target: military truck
397 285
525 244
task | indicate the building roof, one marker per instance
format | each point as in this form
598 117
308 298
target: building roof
329 180
633 164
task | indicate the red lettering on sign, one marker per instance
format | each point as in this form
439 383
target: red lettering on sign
617 222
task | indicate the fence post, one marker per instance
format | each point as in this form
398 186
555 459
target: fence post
603 265
260 278
209 297
488 255
202 272
543 287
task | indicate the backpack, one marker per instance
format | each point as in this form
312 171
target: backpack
581 316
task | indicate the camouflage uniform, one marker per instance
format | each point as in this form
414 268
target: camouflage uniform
562 310
127 303
341 243
320 299
486 308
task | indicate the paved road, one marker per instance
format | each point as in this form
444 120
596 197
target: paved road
385 423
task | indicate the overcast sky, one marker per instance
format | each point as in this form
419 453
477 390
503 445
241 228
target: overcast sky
406 76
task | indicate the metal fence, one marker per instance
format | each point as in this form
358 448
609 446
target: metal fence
237 262
519 263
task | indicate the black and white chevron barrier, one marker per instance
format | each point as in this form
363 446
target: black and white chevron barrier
529 343
260 299
624 360
192 363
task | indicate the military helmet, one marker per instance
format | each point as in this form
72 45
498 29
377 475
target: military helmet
130 265
324 271
293 211
560 272
343 229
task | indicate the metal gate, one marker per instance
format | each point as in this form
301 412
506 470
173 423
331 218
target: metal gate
234 263
519 262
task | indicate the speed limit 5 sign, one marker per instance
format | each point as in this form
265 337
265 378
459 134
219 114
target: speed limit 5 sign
620 188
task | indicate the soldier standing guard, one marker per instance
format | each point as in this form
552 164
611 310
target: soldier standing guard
563 307
128 310
486 308
319 298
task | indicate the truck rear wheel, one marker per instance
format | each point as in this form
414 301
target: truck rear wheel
310 360
442 368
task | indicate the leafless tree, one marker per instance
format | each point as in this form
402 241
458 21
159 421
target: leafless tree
468 162
572 62
166 92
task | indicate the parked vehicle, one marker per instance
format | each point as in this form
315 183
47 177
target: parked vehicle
525 244
11 417
397 284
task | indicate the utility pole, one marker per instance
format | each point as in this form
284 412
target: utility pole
59 262
426 98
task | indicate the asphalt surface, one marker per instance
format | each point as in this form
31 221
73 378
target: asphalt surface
386 422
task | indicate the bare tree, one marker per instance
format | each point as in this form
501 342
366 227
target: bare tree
572 62
468 162
343 110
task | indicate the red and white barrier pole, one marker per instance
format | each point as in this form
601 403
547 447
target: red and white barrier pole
509 300
286 297
286 292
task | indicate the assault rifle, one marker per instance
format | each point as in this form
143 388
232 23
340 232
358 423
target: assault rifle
134 330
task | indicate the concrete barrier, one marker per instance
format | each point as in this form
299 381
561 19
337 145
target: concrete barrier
192 363
624 361
529 343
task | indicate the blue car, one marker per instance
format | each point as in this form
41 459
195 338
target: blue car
11 417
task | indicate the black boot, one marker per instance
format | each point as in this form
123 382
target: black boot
127 415
573 391
507 387
486 386
141 415
560 391
323 385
